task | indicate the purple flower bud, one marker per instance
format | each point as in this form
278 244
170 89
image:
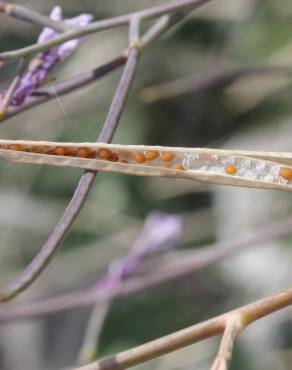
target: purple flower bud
40 66
161 232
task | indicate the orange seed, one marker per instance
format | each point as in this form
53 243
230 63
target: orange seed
83 152
15 147
178 167
60 150
151 155
167 156
113 157
230 169
104 154
286 173
42 149
140 158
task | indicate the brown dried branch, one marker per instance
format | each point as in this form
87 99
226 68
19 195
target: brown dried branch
169 343
233 326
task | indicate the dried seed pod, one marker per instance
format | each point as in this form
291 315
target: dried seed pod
229 167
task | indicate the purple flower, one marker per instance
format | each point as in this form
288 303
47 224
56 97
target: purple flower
43 63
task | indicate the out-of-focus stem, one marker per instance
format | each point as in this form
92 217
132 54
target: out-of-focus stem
232 328
7 97
193 334
208 81
123 20
31 16
179 269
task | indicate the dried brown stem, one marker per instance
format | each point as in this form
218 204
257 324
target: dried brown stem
232 328
193 334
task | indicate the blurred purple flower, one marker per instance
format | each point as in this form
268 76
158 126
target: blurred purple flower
161 233
40 66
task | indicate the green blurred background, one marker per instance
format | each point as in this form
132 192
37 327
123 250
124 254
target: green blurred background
251 113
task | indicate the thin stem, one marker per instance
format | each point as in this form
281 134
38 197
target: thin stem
94 27
51 245
83 79
64 87
210 81
182 267
233 327
7 97
93 331
99 313
31 16
192 334
134 31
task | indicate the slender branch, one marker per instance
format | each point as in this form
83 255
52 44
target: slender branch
209 81
170 7
29 15
7 97
99 313
233 327
93 330
64 87
71 84
182 267
134 32
193 334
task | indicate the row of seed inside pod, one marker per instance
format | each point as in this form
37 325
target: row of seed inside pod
125 156
122 156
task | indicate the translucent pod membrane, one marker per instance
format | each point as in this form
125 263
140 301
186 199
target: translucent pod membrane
252 169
